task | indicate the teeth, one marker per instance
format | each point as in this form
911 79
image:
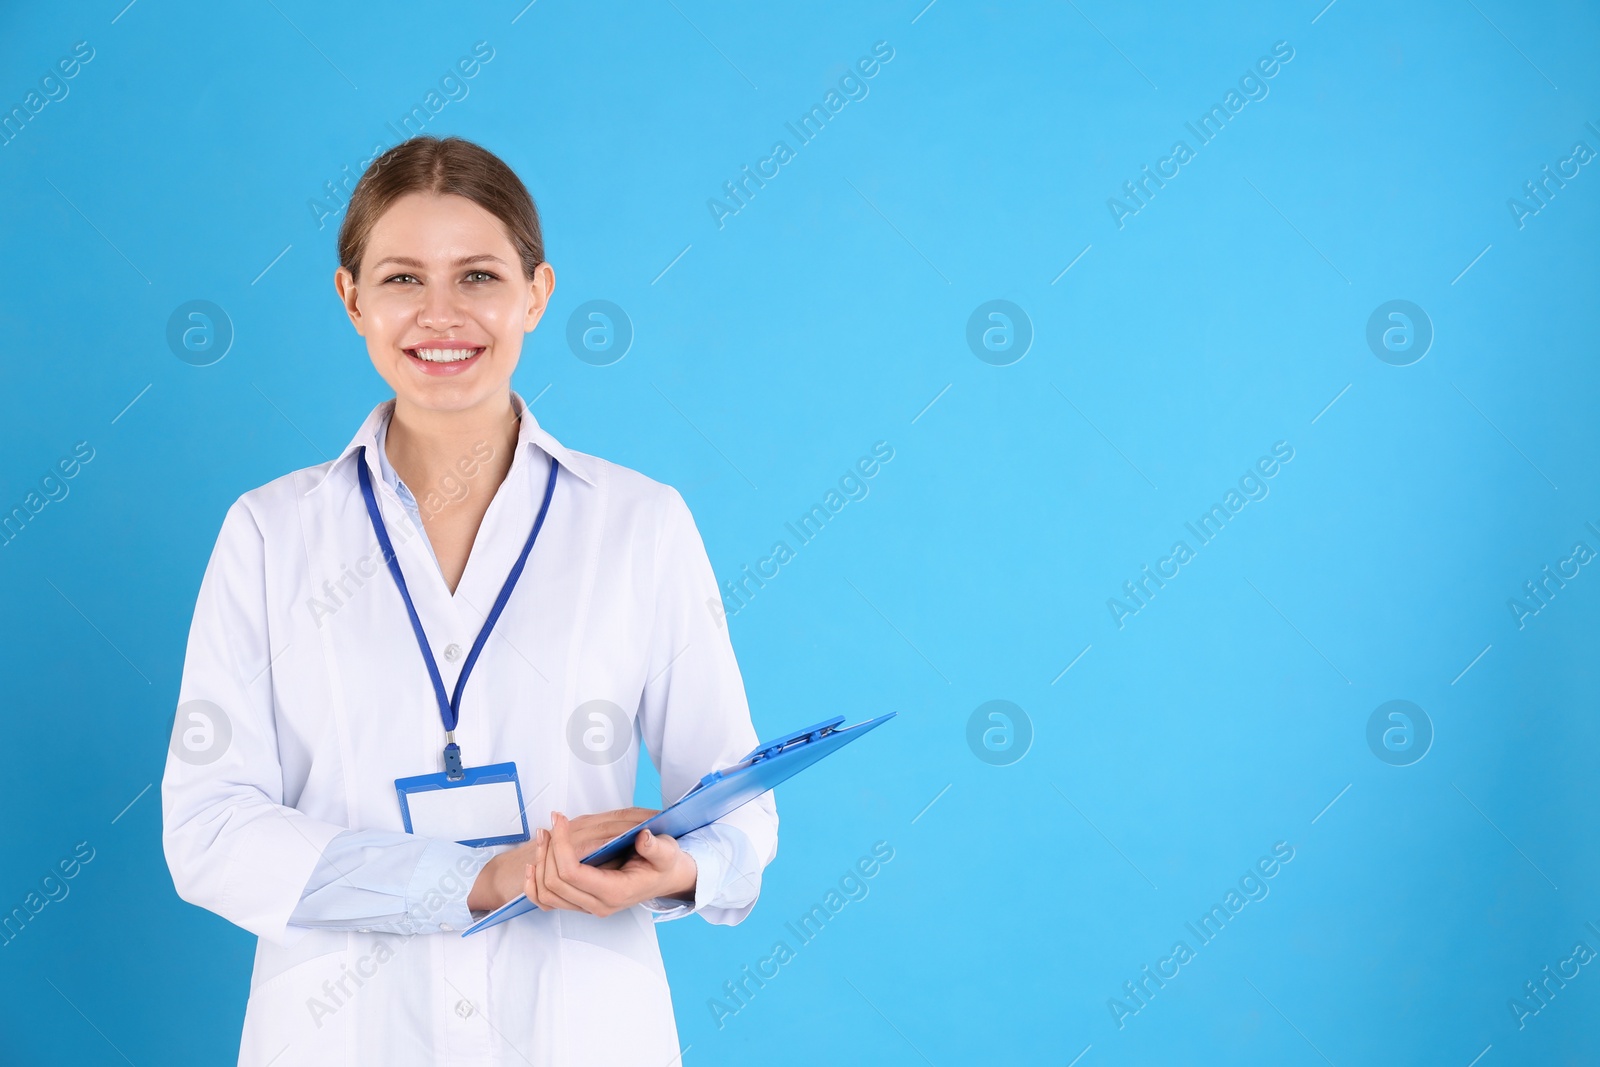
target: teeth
444 355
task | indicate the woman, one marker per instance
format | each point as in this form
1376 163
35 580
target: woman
324 669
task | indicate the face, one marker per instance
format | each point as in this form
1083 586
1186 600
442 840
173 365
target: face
443 303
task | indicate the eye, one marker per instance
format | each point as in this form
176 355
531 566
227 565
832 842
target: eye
486 275
395 276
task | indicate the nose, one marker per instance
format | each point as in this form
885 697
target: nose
441 308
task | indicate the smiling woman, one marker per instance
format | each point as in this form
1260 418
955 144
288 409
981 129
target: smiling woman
471 302
444 329
591 579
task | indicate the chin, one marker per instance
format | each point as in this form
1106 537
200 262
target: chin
462 390
454 396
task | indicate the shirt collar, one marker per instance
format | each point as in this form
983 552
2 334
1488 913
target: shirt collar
386 469
529 432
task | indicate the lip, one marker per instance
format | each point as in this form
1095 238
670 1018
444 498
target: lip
444 370
441 342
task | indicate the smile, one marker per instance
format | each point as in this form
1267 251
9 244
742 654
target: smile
443 355
444 362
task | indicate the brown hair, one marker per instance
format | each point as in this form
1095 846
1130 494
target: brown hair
452 165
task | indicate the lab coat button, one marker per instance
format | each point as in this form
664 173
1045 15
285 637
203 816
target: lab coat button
464 1009
452 653
446 927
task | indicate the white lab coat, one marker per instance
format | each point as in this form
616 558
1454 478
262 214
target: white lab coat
301 639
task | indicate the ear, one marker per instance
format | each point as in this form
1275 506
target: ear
540 286
344 283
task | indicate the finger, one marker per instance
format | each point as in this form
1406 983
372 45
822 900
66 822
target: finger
587 838
601 891
654 858
557 842
530 888
535 889
589 832
658 850
541 893
624 816
619 817
568 861
544 894
573 880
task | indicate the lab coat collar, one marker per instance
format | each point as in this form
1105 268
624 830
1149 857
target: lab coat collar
529 432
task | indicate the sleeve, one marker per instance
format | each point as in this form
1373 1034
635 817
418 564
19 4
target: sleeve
695 717
380 880
231 843
723 858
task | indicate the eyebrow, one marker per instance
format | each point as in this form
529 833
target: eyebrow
407 261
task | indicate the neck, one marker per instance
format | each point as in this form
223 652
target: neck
433 450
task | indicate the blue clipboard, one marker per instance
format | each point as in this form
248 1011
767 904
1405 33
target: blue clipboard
717 794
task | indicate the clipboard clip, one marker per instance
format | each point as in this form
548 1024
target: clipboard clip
769 749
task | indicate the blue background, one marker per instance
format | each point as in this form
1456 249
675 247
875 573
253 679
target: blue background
831 312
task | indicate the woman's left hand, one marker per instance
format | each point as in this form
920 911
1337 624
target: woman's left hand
557 879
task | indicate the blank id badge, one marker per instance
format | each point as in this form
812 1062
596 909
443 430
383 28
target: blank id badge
482 807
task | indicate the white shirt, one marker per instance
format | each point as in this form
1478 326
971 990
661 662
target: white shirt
365 879
302 644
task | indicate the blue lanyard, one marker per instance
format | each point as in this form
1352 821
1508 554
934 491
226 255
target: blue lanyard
449 707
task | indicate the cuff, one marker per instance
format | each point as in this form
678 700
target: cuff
711 869
436 899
